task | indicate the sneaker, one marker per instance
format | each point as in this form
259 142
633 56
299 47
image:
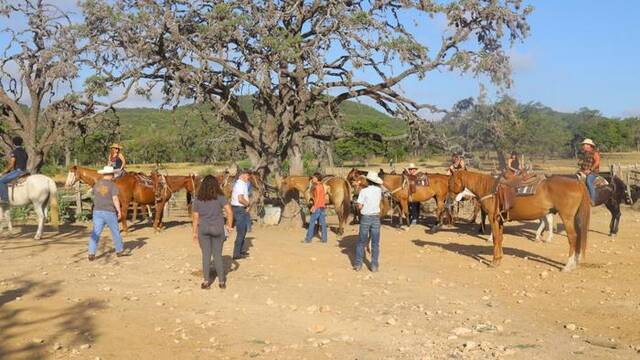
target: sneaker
240 257
205 285
357 267
120 254
374 269
92 257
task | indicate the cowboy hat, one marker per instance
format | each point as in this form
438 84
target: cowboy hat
412 166
116 146
588 142
373 177
106 170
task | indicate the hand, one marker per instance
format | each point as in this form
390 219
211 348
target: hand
119 215
229 228
195 238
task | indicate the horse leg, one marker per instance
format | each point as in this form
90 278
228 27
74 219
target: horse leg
404 212
574 254
614 209
497 233
134 218
541 225
124 210
483 217
40 214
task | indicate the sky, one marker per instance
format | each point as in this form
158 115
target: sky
580 53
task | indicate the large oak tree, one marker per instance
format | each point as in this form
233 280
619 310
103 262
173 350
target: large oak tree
300 59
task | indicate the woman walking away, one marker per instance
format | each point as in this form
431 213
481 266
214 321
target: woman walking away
209 228
106 211
369 205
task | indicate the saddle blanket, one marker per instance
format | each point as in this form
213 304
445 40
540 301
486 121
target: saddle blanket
526 190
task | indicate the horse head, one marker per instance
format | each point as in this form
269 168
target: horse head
456 182
72 176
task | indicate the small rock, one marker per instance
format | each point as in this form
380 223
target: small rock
57 346
37 341
160 303
325 308
461 331
544 274
571 327
317 328
269 302
85 346
470 345
391 321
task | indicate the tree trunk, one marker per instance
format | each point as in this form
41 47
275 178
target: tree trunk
296 167
36 160
502 159
330 157
67 155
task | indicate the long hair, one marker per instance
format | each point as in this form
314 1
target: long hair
209 189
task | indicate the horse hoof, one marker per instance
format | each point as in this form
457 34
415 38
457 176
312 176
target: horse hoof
568 268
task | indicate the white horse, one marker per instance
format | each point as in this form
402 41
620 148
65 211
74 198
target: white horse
38 190
545 223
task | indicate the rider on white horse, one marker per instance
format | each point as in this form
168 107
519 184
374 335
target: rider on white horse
16 168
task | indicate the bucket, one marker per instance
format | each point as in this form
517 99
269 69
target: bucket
271 215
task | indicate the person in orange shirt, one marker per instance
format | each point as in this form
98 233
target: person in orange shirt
317 209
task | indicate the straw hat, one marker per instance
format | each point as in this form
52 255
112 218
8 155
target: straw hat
106 170
116 146
373 177
412 166
588 142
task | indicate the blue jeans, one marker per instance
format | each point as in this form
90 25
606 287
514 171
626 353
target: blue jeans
591 178
317 215
6 179
100 219
369 225
241 218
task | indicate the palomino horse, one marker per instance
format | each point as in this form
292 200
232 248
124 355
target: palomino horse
132 187
568 197
337 189
38 190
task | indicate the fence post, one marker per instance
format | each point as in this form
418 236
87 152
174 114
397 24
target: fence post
78 195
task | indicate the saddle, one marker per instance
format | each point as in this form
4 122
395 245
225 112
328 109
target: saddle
144 180
413 181
507 190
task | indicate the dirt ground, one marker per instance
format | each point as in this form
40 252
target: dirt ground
433 298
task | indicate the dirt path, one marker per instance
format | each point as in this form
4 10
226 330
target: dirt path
433 298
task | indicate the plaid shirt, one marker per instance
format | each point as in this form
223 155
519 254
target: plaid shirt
588 160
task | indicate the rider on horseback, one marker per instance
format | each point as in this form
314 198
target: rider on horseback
16 168
590 165
513 164
457 164
117 160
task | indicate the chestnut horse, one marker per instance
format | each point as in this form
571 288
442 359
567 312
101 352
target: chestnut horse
360 183
131 188
438 188
337 189
166 185
568 197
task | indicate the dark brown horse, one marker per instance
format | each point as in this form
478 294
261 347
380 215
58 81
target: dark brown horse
568 197
337 190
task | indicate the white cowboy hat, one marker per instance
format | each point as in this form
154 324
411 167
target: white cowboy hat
588 142
106 170
373 177
412 166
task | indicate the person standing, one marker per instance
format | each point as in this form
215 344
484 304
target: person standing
240 204
317 209
209 228
369 204
17 167
106 211
414 206
117 160
590 166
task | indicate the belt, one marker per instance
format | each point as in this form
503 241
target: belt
239 206
371 214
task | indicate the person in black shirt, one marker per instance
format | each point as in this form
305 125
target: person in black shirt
17 167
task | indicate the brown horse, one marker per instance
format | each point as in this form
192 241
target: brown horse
132 188
337 189
166 185
438 188
360 183
568 197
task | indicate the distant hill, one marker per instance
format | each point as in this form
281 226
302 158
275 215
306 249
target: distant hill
135 122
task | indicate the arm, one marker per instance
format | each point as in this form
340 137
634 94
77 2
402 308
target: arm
116 203
596 161
194 230
124 161
509 162
360 201
229 212
10 166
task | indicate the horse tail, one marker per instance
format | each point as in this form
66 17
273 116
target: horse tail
53 202
582 219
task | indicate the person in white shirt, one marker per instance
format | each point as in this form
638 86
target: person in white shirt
239 204
369 205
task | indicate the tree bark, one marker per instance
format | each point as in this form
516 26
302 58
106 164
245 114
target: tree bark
36 160
502 159
330 157
67 155
296 166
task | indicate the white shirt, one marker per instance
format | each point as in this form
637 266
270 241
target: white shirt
370 198
239 188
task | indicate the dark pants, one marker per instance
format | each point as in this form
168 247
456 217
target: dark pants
211 241
369 226
241 218
414 211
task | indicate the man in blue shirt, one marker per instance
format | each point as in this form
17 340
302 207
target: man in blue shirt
17 167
